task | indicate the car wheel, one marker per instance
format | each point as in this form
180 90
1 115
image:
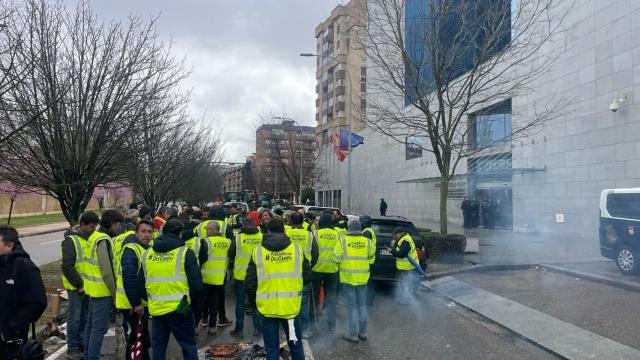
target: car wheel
627 260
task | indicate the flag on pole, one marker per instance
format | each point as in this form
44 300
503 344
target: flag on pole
355 139
341 143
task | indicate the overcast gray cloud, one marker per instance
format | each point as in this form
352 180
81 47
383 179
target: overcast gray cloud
243 55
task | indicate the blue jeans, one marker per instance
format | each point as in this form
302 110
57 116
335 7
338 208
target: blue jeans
404 290
181 326
357 308
97 325
329 282
76 321
241 295
304 310
271 337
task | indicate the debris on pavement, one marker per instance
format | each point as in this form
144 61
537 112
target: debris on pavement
242 351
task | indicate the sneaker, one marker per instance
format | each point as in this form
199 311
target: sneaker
237 333
362 337
75 354
351 339
224 322
212 331
204 323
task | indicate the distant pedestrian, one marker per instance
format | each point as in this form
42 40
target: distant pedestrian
22 295
383 207
465 206
475 213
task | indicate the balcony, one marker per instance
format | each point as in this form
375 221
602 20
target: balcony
340 90
340 74
340 106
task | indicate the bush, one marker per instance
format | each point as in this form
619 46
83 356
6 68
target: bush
448 249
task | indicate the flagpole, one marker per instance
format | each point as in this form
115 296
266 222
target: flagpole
348 71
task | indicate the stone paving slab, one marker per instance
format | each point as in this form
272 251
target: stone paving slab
561 338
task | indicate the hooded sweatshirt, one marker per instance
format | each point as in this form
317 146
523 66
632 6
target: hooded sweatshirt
326 222
130 267
232 248
167 242
22 295
274 242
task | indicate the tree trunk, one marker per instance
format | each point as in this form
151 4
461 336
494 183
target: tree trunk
444 190
10 211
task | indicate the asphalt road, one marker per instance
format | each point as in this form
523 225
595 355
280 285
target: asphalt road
432 328
43 249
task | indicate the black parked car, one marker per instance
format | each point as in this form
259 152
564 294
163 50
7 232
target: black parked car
385 266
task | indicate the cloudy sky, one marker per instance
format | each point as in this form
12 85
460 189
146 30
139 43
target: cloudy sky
243 55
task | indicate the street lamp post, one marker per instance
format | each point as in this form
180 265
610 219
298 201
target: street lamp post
350 122
300 148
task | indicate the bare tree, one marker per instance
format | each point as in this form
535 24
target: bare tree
432 63
88 83
174 153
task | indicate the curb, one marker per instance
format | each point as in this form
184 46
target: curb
624 284
480 268
42 232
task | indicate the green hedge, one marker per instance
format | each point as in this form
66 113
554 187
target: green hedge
444 248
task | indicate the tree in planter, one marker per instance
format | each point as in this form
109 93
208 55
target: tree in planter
88 82
433 62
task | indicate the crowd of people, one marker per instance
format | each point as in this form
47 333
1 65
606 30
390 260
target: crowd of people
488 213
169 272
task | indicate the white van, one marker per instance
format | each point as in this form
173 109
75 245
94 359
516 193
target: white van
620 227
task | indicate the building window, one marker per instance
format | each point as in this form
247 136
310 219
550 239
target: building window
414 146
491 126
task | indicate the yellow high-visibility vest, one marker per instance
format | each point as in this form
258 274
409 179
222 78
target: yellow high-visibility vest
78 244
245 244
215 268
303 238
279 293
327 239
404 263
354 254
194 244
118 240
201 229
122 301
373 235
165 279
94 285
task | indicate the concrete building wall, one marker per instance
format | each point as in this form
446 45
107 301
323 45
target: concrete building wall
585 150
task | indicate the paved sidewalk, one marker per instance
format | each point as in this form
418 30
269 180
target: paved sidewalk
559 337
42 229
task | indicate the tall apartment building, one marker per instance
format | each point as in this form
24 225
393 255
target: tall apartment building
339 58
240 177
277 159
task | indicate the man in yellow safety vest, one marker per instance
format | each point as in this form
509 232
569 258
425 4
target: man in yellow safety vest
355 253
403 247
325 271
277 272
240 252
129 299
214 271
73 247
169 273
100 281
305 239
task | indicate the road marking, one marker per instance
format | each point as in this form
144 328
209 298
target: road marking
50 242
58 353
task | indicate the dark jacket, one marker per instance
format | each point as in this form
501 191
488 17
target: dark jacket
168 242
326 222
22 295
130 277
383 206
405 248
68 266
274 242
